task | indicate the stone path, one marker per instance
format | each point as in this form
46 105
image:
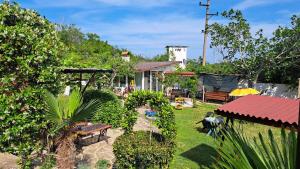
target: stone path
98 151
8 161
143 123
104 150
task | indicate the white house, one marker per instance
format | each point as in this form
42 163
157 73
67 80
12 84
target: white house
149 75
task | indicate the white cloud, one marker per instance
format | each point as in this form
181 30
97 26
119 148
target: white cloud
149 36
245 4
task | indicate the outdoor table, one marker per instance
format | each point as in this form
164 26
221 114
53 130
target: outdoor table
214 123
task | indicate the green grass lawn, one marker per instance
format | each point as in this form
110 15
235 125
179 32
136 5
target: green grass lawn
196 149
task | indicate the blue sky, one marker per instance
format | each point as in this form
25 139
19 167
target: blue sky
147 26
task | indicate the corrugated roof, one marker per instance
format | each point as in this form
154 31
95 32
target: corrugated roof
264 108
146 66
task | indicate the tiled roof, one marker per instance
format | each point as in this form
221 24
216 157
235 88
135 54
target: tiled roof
146 66
125 53
264 108
181 73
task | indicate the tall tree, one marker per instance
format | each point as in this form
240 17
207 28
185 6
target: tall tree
236 44
285 54
275 60
30 59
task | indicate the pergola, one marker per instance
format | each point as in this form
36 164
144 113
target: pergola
81 71
272 111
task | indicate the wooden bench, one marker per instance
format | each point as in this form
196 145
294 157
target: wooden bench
217 95
92 132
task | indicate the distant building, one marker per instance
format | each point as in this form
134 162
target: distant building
149 75
125 56
178 53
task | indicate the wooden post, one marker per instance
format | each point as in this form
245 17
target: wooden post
80 80
203 93
298 131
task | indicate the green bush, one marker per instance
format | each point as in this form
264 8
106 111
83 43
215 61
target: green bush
102 96
165 116
29 59
102 164
135 150
49 162
110 111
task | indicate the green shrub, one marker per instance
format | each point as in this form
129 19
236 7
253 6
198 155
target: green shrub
102 164
29 59
165 116
110 113
49 162
111 110
83 166
102 96
135 150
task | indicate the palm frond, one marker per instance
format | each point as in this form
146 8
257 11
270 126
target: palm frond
86 111
239 152
74 102
53 112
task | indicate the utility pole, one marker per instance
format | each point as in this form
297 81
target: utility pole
207 17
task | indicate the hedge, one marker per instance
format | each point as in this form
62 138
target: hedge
110 111
135 150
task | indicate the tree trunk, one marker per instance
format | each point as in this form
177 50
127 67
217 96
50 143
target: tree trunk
255 78
113 76
66 154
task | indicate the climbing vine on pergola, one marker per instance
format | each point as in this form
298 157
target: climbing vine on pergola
165 120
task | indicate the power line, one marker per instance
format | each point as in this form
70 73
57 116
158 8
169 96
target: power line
207 17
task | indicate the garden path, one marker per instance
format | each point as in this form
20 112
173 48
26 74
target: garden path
104 150
8 161
99 151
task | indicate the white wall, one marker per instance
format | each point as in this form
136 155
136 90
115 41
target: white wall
126 58
277 90
178 54
269 89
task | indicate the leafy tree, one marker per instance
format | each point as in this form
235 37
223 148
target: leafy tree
216 68
70 35
64 113
236 44
29 59
163 57
274 60
285 54
88 50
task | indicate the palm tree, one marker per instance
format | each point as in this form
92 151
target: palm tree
64 113
238 152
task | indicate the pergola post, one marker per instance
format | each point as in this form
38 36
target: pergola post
80 81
